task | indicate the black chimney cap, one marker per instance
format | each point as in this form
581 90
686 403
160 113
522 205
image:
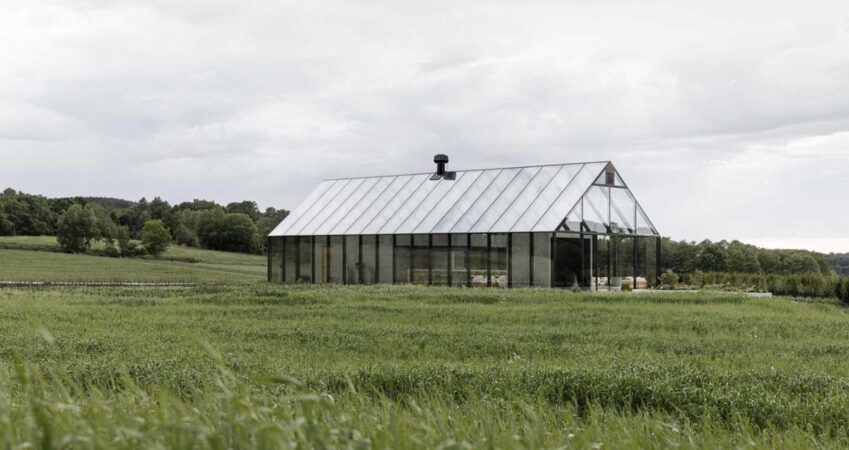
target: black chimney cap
440 158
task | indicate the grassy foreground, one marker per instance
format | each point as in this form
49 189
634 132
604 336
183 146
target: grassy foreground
258 366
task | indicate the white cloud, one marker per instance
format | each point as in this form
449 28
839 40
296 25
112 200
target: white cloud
728 119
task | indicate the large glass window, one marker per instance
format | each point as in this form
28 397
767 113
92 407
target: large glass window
421 258
542 259
622 212
597 209
337 266
290 257
369 267
352 259
305 263
520 260
646 262
621 260
601 268
276 250
459 262
439 259
477 259
567 260
385 251
322 259
403 243
498 260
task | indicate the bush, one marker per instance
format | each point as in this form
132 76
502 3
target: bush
77 228
155 237
669 280
843 290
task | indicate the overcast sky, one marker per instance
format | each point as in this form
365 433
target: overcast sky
727 119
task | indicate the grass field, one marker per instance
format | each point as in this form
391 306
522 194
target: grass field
259 366
35 258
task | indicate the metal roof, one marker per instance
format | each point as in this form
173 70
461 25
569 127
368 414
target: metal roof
515 199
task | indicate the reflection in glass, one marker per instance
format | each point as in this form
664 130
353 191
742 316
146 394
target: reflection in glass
439 260
276 250
385 264
623 208
477 260
290 253
322 259
542 259
336 265
369 267
305 263
520 260
498 260
459 262
597 209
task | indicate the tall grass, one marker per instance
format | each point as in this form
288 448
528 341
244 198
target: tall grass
260 366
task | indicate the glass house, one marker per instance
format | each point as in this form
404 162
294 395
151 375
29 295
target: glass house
543 226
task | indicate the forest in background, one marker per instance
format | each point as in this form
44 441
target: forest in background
242 227
236 227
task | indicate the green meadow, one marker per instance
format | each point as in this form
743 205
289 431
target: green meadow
236 363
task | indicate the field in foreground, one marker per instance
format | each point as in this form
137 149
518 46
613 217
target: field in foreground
258 366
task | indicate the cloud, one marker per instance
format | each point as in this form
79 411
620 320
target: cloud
729 120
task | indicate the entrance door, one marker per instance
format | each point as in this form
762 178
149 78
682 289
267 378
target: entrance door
567 260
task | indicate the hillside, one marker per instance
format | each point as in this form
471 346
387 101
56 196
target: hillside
37 264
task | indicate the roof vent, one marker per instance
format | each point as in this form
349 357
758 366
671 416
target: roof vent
441 174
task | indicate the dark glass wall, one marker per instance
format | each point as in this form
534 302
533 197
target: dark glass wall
520 260
459 260
498 260
276 260
479 260
403 261
439 255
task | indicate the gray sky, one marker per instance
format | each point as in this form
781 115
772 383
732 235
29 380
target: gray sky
727 119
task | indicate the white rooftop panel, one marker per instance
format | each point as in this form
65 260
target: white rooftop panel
516 199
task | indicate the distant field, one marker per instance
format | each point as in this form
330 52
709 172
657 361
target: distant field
24 265
48 243
260 366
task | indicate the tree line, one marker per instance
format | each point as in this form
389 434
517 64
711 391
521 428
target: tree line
685 257
77 221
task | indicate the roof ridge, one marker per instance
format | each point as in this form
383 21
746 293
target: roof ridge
470 170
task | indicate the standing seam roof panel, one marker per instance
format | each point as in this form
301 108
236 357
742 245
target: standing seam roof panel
303 207
316 207
491 205
467 200
391 211
363 205
329 207
530 192
569 197
548 195
348 205
379 204
422 204
470 182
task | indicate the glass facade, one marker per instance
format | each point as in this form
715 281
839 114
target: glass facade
541 226
520 260
459 260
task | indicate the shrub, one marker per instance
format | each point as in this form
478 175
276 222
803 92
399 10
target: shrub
77 228
669 279
155 237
